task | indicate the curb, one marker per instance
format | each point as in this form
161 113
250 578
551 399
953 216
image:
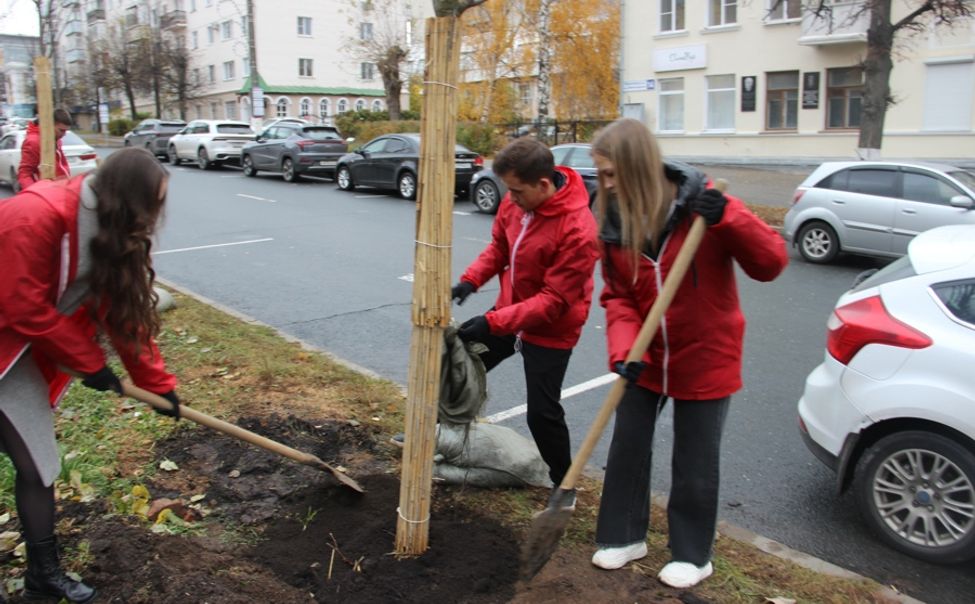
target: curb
731 531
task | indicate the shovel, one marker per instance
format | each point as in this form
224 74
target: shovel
549 525
154 400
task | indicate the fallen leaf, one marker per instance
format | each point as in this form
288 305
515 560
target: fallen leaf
779 601
8 540
192 340
169 466
235 473
196 498
164 504
21 550
5 518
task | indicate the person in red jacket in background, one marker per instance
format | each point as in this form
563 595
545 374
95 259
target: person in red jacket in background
645 208
30 152
76 265
543 250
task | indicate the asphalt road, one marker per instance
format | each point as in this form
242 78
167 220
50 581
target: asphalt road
333 269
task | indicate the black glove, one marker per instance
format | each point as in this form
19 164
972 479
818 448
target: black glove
474 329
103 379
460 291
172 398
631 371
710 205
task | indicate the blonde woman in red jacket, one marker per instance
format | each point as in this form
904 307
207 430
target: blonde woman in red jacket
75 264
645 208
543 250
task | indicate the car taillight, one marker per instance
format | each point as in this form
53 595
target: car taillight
87 156
797 196
303 144
479 161
864 322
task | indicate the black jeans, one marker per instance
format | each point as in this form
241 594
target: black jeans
544 372
624 511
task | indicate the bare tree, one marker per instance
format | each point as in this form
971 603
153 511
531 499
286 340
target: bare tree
383 29
176 72
120 60
882 34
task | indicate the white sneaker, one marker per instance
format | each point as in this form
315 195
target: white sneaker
612 558
684 574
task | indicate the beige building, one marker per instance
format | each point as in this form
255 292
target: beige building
735 79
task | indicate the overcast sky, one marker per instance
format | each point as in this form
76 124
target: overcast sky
18 17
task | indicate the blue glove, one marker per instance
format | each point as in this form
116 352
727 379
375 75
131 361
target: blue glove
710 205
476 329
631 371
460 291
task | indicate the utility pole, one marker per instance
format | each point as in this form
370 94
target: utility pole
257 93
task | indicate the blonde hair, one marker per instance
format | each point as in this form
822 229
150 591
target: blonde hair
639 183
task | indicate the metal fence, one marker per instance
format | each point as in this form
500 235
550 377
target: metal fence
555 132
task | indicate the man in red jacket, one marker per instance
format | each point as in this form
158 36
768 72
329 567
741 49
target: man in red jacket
543 250
30 152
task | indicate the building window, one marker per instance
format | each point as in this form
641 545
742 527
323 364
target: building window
323 108
195 38
671 15
722 12
671 110
199 112
721 102
211 34
367 71
525 95
228 70
365 31
949 95
231 108
360 105
214 111
282 107
305 108
782 100
192 6
844 97
227 30
782 10
343 106
304 26
304 68
377 105
245 67
211 73
196 76
243 26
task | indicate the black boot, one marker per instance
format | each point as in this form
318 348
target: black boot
46 579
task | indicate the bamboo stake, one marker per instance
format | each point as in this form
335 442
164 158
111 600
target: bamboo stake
45 110
431 285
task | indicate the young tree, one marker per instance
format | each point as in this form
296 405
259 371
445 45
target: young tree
383 41
882 34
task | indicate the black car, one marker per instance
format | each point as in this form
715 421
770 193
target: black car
153 134
487 189
293 149
391 162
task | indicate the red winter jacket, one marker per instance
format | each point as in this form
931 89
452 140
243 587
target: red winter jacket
40 248
696 352
30 158
544 260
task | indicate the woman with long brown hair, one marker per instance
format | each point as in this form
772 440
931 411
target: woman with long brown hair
76 266
645 207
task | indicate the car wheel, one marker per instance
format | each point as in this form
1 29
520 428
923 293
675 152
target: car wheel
818 242
248 165
173 156
203 159
127 143
486 197
344 179
288 171
916 490
406 184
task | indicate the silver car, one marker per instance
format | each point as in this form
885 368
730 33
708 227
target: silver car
875 208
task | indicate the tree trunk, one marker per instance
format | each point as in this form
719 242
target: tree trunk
130 94
155 93
392 81
544 59
876 86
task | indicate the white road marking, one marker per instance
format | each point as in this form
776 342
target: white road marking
256 197
459 213
370 196
602 380
204 247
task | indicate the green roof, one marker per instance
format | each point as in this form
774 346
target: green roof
331 90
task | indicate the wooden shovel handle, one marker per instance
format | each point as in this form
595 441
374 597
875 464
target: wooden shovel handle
640 345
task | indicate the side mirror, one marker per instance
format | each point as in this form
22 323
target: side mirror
961 201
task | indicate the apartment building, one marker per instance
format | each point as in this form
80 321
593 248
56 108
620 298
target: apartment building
17 75
306 63
767 79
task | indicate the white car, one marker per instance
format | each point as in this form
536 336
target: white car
210 143
892 407
80 155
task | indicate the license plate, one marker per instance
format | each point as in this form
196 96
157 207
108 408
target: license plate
463 165
326 163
